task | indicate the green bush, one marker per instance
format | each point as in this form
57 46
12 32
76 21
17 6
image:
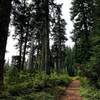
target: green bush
34 86
12 75
88 92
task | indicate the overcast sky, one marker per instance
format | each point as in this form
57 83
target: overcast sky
66 15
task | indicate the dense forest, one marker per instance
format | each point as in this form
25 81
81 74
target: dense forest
42 70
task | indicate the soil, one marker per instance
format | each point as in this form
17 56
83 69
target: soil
72 92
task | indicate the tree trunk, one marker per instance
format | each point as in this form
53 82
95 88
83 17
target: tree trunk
5 9
45 56
30 62
47 51
59 57
32 50
43 49
24 52
20 48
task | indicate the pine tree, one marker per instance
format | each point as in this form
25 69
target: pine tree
94 64
69 61
42 36
82 16
23 28
59 39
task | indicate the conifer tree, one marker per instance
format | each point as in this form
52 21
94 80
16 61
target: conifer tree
94 65
59 39
82 16
23 22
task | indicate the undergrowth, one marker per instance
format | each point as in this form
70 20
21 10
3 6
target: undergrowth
89 92
33 86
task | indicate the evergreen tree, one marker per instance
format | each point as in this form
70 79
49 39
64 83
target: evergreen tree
94 64
69 61
39 40
43 9
23 28
82 16
59 39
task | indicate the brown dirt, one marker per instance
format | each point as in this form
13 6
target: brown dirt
72 92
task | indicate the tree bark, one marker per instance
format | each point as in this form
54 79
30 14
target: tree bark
26 39
5 9
32 50
20 48
47 51
45 56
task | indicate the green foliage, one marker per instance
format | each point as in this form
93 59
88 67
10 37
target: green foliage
93 66
86 35
88 92
82 16
34 86
58 35
39 96
12 75
62 79
69 61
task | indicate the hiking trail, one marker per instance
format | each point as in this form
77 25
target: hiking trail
72 92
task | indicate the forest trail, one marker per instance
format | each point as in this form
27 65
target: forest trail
72 92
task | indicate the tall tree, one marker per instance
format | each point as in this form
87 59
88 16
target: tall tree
19 23
5 9
82 16
94 64
45 37
42 24
59 39
23 28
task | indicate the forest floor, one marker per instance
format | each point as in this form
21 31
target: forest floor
72 92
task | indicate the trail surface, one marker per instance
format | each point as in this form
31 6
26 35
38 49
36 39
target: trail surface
72 92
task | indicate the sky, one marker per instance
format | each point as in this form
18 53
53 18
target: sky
66 15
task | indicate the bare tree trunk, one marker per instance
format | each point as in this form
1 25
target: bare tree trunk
59 57
30 62
43 49
46 55
24 52
5 9
20 48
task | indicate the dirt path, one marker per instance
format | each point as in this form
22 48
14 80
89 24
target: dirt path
72 92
